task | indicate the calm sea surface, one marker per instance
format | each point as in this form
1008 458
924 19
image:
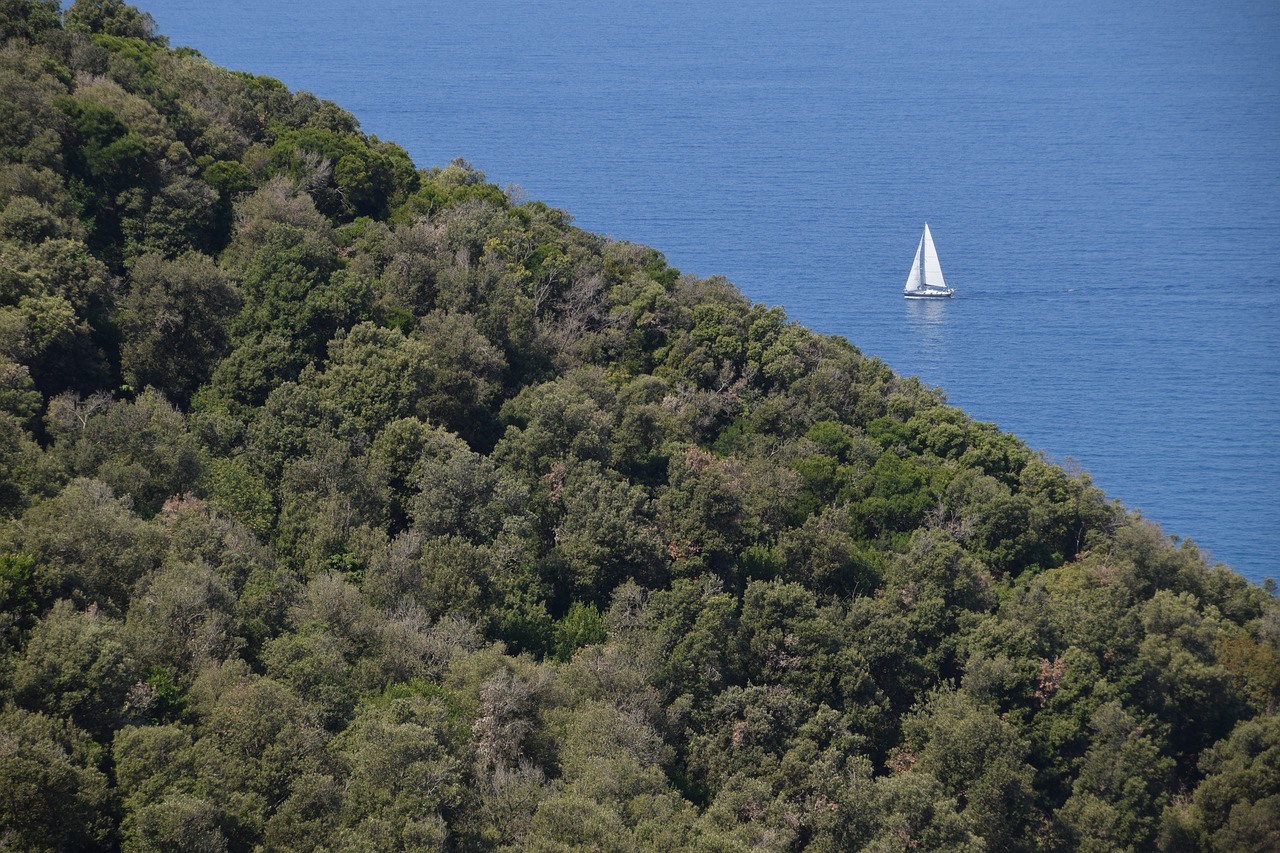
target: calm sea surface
1102 180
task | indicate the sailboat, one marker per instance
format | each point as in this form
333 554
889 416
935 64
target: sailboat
925 279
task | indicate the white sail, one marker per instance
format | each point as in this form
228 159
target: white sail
913 277
932 269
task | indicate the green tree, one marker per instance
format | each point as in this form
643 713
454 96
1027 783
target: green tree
915 811
1121 788
404 775
174 319
1232 809
32 122
259 735
784 638
581 626
607 533
19 465
348 174
461 492
55 298
87 545
178 822
113 17
29 19
151 760
446 374
183 617
107 159
57 795
141 449
979 760
79 665
287 264
702 514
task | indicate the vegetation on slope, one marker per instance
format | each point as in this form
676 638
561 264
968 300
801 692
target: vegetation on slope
346 505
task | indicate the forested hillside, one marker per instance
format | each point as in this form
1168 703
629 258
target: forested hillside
348 505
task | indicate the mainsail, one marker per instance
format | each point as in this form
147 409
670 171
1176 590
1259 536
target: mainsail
926 272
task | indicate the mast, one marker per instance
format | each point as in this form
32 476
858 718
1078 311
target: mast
921 253
926 243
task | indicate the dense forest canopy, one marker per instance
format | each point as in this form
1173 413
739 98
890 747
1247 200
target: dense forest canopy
348 505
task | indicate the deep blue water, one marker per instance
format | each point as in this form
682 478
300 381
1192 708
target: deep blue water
1102 180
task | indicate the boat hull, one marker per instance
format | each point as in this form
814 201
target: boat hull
929 294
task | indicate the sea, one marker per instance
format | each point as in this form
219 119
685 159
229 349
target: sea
1102 180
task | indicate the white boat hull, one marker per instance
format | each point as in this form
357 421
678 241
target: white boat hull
930 294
